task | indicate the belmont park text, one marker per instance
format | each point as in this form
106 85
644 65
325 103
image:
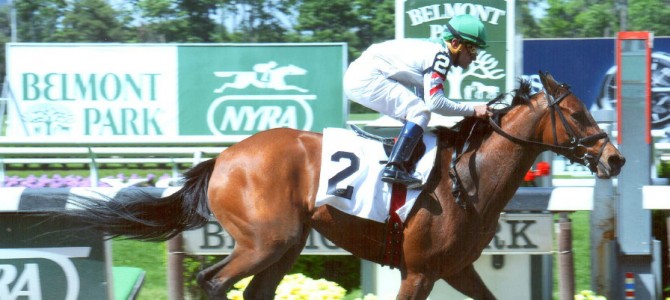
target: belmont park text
71 87
118 95
444 11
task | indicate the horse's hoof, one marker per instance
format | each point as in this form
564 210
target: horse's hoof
200 279
215 292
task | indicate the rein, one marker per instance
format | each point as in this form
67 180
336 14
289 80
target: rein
576 149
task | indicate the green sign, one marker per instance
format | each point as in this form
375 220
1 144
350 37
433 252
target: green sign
492 72
43 260
98 90
245 89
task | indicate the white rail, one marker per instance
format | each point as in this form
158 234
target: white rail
112 150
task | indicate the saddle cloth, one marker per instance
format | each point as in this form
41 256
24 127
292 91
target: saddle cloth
350 177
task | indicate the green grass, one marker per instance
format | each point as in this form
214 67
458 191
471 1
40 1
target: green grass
152 258
581 247
364 117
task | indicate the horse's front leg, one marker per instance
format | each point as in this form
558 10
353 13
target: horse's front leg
468 282
415 286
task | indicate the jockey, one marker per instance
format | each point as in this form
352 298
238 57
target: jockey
404 79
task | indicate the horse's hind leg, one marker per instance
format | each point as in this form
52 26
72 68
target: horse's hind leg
205 276
415 286
268 260
218 279
265 283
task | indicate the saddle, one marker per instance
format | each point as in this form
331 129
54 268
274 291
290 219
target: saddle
388 143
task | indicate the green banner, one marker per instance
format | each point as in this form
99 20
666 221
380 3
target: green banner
239 90
42 259
487 76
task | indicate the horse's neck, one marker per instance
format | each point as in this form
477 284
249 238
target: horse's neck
502 164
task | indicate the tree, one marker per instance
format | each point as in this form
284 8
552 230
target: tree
198 24
600 18
376 22
650 15
526 22
90 21
257 21
157 20
329 21
38 20
5 35
359 23
560 18
175 20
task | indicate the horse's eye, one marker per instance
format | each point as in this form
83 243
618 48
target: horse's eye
580 117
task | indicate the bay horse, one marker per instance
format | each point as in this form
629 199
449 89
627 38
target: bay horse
262 191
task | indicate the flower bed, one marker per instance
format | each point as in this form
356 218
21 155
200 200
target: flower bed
69 181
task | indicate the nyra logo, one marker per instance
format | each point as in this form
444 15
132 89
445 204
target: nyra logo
268 96
25 272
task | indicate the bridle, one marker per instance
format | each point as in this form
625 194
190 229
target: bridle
576 150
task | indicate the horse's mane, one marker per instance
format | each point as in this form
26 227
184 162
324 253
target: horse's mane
474 129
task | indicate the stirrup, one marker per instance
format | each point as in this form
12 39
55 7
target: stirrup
394 174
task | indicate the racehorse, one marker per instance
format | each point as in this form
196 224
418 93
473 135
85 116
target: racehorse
262 191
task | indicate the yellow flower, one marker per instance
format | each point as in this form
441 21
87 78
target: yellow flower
299 287
588 295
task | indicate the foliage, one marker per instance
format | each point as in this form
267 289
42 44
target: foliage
526 23
359 23
659 230
663 169
602 18
296 286
91 21
345 270
588 295
192 266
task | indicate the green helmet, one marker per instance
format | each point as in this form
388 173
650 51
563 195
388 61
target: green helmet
466 27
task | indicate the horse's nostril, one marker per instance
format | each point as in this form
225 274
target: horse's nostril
616 162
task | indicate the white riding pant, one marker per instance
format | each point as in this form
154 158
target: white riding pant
366 85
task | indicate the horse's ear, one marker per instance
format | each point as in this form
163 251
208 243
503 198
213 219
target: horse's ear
543 78
550 79
547 81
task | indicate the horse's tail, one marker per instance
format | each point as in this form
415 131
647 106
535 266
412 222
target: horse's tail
136 214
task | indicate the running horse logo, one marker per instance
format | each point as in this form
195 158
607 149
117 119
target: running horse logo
271 77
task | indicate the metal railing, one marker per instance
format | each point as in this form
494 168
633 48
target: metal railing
109 150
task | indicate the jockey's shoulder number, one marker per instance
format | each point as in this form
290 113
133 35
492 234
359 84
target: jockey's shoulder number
441 63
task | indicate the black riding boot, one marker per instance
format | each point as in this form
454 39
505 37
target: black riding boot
395 171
